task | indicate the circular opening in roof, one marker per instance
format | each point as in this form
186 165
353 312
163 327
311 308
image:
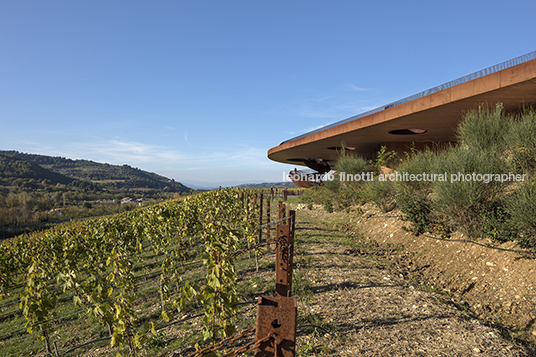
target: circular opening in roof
339 148
407 131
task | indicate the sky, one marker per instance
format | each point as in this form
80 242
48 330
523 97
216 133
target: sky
200 90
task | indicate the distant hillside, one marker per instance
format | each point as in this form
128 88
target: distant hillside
15 171
115 178
269 185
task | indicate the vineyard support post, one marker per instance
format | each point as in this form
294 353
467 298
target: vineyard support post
260 231
247 218
268 221
46 338
260 217
292 226
162 295
282 210
276 316
284 254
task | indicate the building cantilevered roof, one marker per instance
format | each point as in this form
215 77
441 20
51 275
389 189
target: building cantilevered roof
430 116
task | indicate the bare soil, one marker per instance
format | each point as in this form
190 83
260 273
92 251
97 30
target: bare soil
366 287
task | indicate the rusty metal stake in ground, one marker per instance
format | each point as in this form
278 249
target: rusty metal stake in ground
284 254
268 221
276 318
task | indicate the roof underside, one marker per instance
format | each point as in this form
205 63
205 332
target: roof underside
437 111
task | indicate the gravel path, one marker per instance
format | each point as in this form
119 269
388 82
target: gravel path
362 308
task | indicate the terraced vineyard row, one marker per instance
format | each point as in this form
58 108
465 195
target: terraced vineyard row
98 264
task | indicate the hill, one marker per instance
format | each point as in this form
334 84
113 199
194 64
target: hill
269 185
15 171
114 178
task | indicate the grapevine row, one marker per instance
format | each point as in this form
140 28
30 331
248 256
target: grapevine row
94 261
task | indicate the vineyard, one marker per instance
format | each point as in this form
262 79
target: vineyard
104 276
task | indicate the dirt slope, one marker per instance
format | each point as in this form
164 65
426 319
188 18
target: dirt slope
366 291
495 285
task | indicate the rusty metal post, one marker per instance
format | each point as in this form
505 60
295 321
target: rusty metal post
276 317
255 201
247 219
268 221
260 231
282 210
283 258
260 217
292 221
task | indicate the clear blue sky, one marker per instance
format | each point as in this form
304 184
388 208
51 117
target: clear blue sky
200 90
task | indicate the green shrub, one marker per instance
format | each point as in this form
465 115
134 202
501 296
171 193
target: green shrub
333 185
484 130
521 143
490 142
497 223
348 195
351 164
311 195
384 158
380 192
521 206
462 200
413 196
417 210
328 205
359 192
418 163
344 194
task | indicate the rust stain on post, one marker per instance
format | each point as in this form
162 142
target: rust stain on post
276 316
284 256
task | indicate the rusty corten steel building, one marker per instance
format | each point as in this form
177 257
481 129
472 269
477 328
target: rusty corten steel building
425 118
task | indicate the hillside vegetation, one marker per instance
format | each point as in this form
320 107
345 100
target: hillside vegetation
268 185
114 178
17 172
37 189
482 186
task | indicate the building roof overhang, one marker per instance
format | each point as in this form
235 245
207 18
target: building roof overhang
437 111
